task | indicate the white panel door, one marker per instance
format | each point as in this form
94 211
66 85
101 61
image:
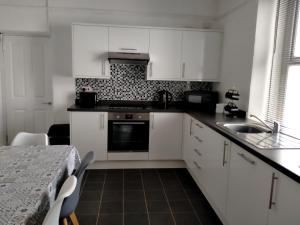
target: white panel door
165 55
89 133
89 51
248 189
201 54
28 100
286 198
128 39
165 140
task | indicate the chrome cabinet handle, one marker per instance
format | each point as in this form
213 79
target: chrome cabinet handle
152 122
224 153
101 121
47 103
197 152
198 125
197 165
128 49
183 69
150 69
246 158
271 202
103 67
198 139
191 123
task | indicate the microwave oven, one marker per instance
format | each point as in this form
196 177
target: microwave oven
201 100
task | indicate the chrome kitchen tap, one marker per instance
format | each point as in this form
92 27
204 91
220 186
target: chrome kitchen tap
274 130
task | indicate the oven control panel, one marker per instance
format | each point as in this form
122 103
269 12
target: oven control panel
128 116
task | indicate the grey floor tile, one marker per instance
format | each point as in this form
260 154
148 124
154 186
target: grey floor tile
112 196
158 207
135 195
111 207
93 186
176 195
90 196
110 219
186 219
180 206
161 219
155 195
135 207
136 219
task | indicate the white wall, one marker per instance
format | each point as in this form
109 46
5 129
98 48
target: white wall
238 18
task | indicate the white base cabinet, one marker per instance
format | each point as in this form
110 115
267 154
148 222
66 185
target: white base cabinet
249 187
285 205
165 136
89 133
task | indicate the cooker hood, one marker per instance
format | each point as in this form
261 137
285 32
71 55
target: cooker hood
128 58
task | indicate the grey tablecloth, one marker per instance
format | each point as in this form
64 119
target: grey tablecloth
29 177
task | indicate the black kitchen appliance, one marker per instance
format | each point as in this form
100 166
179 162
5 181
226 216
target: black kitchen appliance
204 101
164 98
128 132
87 99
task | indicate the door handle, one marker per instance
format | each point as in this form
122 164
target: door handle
152 122
102 121
271 202
191 123
197 165
197 152
47 103
183 69
150 69
198 139
246 158
128 49
224 153
198 125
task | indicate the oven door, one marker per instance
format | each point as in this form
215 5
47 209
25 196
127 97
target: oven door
128 136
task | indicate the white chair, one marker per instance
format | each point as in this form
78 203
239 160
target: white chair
27 139
52 217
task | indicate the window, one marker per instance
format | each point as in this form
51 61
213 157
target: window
284 88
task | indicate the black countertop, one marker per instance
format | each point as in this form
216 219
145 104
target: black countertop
286 161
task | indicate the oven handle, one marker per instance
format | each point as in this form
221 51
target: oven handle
129 123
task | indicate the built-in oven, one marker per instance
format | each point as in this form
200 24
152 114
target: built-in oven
128 132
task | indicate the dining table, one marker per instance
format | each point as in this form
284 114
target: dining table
30 177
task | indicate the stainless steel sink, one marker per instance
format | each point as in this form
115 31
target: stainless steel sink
245 128
260 137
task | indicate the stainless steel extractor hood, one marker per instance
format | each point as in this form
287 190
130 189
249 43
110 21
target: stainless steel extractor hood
128 58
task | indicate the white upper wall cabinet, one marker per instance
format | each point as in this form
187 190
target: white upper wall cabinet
165 55
126 39
201 53
90 49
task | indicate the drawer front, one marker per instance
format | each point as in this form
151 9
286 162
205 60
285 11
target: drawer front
198 129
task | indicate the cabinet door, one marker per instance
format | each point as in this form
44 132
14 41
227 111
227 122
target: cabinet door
133 40
212 56
165 55
215 170
165 136
286 198
201 52
89 132
248 189
90 48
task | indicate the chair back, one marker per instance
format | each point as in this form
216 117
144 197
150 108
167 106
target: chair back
27 139
52 217
70 203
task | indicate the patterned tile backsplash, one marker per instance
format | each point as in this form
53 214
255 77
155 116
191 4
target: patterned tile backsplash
128 82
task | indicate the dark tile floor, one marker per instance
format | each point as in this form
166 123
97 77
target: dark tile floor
143 197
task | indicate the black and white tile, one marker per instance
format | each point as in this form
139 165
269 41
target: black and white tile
128 82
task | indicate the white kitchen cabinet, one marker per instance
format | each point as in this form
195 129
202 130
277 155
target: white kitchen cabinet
128 39
165 55
286 198
89 51
165 140
248 189
216 155
89 133
201 54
